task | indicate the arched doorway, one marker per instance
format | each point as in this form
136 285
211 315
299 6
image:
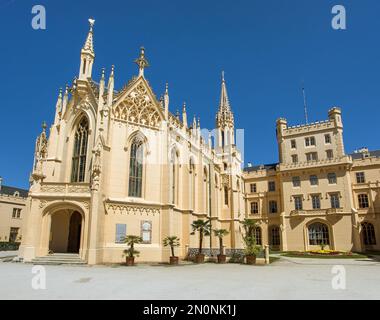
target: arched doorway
65 232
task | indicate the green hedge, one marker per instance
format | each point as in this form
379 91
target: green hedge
9 246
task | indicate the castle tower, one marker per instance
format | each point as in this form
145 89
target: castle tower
87 54
224 120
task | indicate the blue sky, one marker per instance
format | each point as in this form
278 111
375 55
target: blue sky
267 48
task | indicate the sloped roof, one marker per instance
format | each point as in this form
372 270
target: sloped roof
10 191
359 155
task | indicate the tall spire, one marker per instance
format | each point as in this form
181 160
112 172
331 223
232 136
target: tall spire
142 62
224 117
87 54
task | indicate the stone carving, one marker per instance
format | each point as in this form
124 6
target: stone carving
53 188
138 108
96 168
130 209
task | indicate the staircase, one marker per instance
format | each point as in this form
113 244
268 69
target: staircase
59 259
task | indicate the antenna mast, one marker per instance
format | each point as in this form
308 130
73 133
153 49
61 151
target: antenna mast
304 103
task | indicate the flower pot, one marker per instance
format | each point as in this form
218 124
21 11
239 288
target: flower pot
251 259
222 258
174 260
130 261
200 258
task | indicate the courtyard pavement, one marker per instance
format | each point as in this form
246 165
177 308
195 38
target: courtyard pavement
288 278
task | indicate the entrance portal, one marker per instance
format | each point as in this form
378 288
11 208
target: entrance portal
65 232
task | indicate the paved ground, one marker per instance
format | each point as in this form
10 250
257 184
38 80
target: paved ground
289 278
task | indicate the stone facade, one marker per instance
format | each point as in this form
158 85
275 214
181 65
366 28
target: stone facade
12 212
118 163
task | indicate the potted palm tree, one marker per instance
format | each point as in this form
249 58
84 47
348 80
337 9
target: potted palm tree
220 233
203 227
131 252
172 242
249 238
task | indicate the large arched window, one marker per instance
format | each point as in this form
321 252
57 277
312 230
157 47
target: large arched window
80 152
274 233
206 190
368 232
319 234
173 176
136 168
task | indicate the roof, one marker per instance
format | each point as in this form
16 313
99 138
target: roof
10 191
359 155
271 166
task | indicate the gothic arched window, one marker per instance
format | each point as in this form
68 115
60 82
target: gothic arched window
136 168
368 232
319 234
80 152
226 195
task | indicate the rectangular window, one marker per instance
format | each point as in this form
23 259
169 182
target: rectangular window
253 188
272 206
293 144
296 182
331 178
16 214
13 233
310 141
271 186
334 199
311 156
360 177
313 180
329 154
294 158
316 201
254 208
363 201
121 232
146 231
327 139
298 205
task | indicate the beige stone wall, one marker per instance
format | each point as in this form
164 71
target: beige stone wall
7 204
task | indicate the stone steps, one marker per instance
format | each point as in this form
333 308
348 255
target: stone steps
59 259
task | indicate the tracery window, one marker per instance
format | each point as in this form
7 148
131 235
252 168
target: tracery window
319 234
136 168
80 152
368 231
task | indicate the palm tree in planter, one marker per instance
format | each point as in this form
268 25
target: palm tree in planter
220 233
204 228
131 252
172 242
250 241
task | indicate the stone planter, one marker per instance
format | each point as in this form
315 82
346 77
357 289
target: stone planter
174 260
130 261
200 258
222 258
251 259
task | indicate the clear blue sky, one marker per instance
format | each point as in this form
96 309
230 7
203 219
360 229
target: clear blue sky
267 48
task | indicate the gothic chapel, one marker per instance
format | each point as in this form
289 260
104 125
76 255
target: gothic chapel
118 163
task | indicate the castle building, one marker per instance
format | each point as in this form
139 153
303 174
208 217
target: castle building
118 162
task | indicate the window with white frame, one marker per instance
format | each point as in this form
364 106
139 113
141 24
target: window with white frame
334 200
298 203
331 177
363 201
310 141
316 201
254 207
360 177
311 156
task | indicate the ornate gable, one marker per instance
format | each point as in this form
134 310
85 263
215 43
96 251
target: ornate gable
138 105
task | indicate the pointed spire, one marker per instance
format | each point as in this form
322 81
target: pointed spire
58 108
110 87
184 115
44 126
142 62
65 99
88 46
177 114
166 101
224 117
224 104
